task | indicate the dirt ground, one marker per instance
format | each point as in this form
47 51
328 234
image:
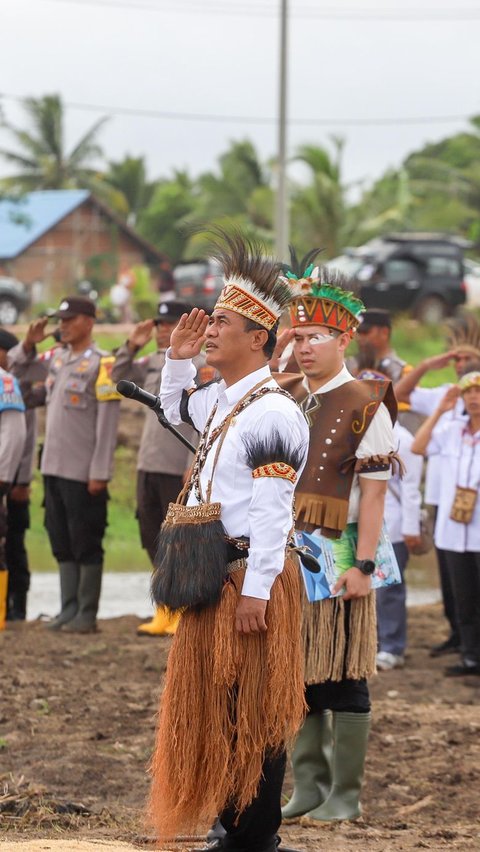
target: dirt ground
76 729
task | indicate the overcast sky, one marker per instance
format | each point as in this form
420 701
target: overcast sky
213 58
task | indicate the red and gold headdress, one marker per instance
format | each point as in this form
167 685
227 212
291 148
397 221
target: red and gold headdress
322 296
253 285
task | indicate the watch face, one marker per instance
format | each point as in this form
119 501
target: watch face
367 566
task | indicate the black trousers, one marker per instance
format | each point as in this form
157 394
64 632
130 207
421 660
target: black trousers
448 594
464 571
18 522
343 696
75 520
255 829
154 492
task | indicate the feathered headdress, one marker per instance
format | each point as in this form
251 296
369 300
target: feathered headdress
253 285
322 296
463 334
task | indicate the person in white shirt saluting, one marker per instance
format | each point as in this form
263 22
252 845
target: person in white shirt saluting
456 443
234 688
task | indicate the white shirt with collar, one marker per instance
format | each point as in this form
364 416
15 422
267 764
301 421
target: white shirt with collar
403 501
378 439
458 453
425 401
260 509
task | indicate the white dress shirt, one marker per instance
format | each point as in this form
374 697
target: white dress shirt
458 453
403 500
260 509
378 440
425 401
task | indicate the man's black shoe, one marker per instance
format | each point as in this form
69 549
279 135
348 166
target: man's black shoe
216 845
450 646
462 669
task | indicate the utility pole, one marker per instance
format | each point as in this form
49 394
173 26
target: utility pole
281 207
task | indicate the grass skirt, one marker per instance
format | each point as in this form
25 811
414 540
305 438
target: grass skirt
228 699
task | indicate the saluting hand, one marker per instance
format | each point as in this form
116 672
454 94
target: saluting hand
449 400
141 334
283 339
188 336
36 332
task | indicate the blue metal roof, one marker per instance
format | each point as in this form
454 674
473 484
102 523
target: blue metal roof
24 221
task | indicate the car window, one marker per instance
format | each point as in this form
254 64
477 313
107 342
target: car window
443 266
190 270
398 271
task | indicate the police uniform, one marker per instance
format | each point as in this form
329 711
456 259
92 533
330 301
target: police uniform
80 438
162 459
17 501
12 440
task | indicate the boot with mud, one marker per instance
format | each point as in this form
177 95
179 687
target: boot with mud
311 763
69 582
350 738
89 590
163 623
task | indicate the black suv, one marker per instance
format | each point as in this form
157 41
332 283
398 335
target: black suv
198 282
420 273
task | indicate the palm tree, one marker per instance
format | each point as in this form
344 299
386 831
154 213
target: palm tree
41 158
129 178
319 209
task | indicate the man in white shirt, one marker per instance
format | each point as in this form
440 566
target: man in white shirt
234 687
463 349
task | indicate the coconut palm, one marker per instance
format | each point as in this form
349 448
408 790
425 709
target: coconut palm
40 154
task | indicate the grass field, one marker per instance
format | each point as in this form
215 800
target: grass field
412 341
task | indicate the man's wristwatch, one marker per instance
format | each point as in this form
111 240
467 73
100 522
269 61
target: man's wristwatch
366 566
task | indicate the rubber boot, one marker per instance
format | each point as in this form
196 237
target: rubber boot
89 590
350 738
3 598
163 623
69 582
311 760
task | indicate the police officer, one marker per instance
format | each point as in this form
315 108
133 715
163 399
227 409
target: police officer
77 458
17 504
12 439
162 459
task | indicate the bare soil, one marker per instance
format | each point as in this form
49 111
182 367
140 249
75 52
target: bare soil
77 719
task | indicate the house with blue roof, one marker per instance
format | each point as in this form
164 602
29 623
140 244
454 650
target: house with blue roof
58 238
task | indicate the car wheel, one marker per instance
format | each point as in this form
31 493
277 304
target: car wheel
8 312
431 310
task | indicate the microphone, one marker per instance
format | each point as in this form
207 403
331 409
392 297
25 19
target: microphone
132 391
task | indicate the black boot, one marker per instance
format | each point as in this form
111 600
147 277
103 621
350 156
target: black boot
17 606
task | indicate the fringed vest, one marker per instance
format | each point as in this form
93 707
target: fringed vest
338 421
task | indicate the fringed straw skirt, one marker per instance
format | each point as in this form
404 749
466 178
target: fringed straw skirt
229 699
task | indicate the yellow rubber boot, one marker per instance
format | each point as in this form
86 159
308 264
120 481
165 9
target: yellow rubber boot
163 623
3 598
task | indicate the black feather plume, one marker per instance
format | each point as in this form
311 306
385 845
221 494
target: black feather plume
273 448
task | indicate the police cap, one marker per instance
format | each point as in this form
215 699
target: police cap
171 312
72 306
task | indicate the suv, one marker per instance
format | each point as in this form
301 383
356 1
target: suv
13 300
420 273
198 282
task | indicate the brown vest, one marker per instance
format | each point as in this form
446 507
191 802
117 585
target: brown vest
338 421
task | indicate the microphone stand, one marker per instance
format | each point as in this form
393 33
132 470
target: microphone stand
166 425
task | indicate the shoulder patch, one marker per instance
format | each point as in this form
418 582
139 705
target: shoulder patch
10 395
105 389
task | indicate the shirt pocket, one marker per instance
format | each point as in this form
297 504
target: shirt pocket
75 393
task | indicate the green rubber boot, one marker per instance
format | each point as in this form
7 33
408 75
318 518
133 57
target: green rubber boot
350 738
311 760
69 581
89 590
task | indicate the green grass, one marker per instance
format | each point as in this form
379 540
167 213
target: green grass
412 341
